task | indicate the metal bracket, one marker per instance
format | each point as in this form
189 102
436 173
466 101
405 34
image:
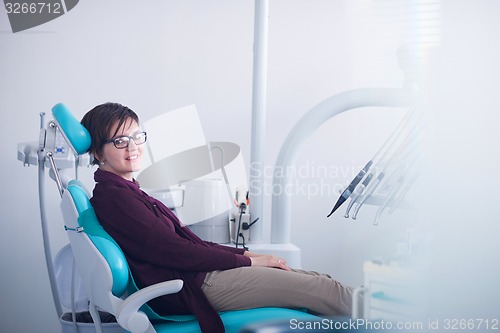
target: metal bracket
77 229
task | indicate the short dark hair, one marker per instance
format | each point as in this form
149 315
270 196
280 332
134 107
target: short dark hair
101 119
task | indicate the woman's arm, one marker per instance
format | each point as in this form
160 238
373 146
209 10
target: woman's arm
263 260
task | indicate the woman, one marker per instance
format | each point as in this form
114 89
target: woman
158 248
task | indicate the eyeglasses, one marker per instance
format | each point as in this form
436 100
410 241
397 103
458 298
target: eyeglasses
123 141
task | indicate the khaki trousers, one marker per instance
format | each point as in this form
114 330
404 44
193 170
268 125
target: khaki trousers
255 287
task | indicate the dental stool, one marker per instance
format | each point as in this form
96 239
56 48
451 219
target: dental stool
104 270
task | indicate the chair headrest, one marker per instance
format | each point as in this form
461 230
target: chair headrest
75 133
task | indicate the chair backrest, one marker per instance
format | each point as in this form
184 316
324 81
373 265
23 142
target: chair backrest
99 260
103 242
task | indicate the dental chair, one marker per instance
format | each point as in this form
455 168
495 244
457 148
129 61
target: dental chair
105 273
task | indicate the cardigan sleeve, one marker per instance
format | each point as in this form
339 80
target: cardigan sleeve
147 235
227 248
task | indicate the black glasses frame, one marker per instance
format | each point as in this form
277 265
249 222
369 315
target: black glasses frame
137 138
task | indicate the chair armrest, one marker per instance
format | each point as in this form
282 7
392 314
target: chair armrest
129 316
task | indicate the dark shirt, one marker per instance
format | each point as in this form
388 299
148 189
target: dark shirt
158 248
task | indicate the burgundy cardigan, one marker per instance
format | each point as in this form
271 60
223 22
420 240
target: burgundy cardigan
158 248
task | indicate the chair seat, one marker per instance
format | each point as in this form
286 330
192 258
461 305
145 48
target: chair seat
234 320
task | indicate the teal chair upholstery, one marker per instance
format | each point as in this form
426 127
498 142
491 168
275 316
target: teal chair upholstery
104 270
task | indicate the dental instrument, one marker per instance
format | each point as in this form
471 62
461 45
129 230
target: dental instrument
354 183
369 192
361 188
357 192
405 145
404 191
239 223
350 189
392 191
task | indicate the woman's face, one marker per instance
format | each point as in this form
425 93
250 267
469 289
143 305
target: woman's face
123 162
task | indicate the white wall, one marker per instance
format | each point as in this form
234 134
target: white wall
157 56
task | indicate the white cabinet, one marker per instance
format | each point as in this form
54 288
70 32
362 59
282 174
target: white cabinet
390 292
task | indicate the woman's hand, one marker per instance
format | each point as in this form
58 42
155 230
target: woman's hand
265 260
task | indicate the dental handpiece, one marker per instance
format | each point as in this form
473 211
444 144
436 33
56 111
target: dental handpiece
357 192
369 191
382 151
390 196
404 191
373 186
350 189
